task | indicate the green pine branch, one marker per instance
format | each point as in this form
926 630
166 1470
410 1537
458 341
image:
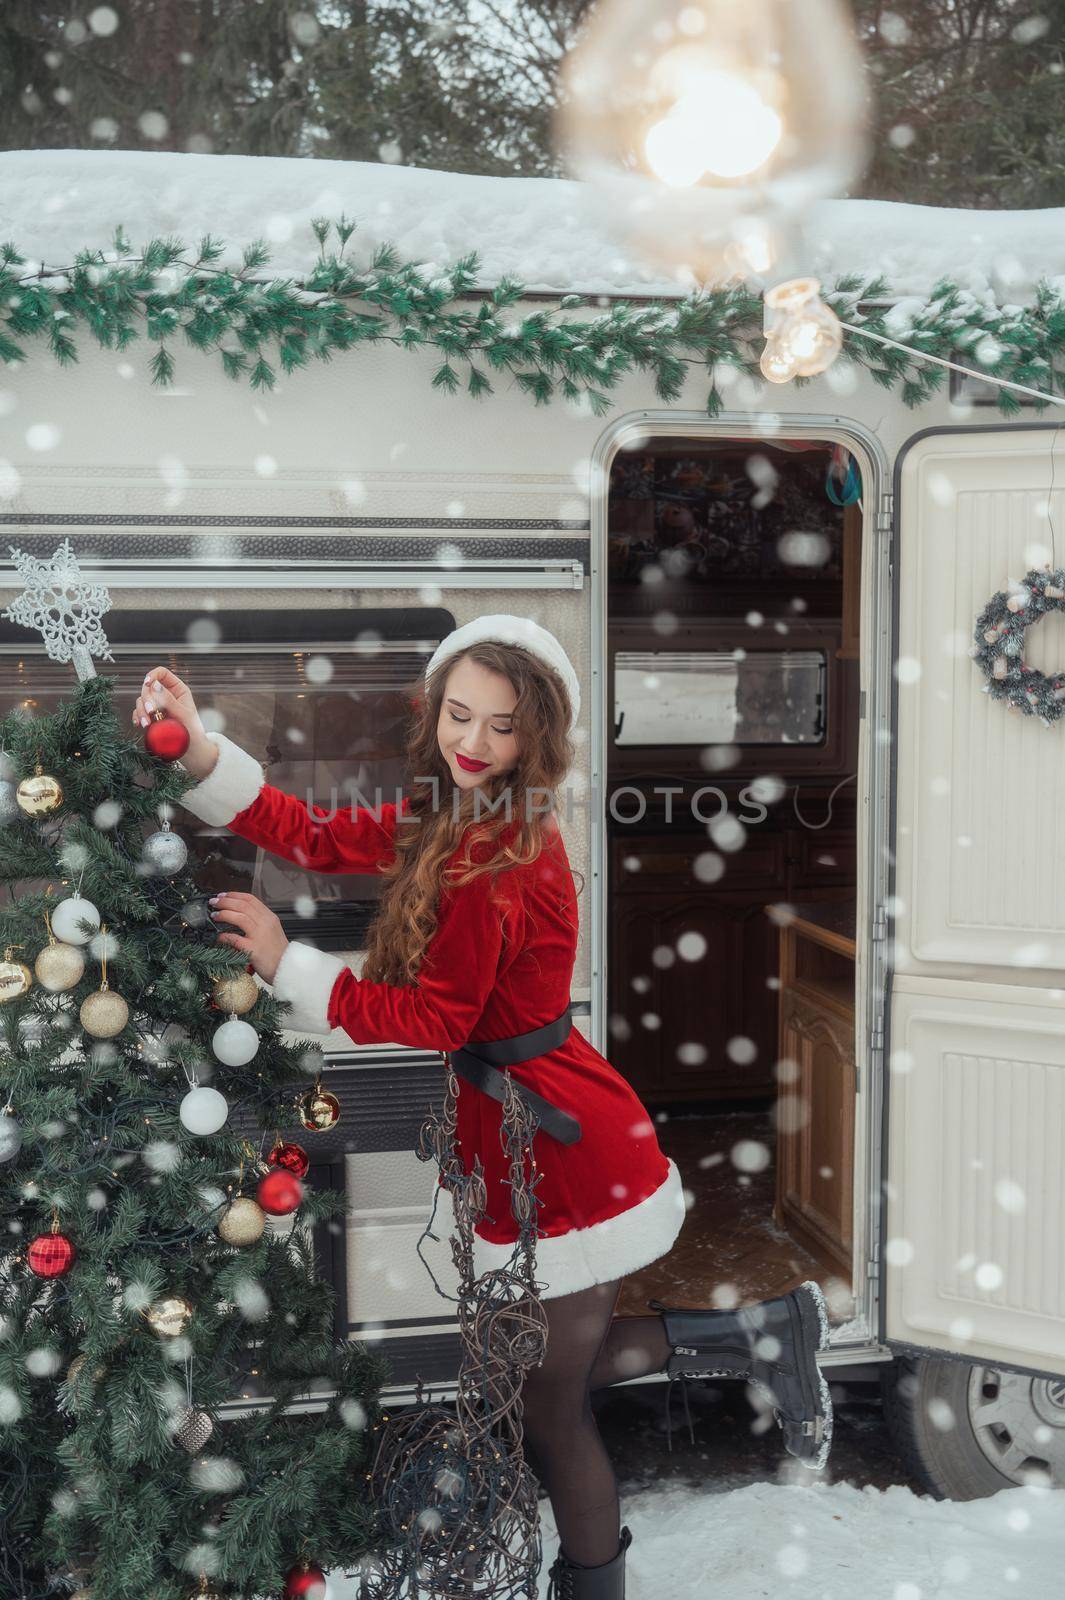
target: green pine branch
255 325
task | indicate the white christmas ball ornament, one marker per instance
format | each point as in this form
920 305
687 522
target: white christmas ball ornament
203 1110
66 916
235 1042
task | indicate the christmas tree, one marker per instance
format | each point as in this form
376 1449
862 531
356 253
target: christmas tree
154 1263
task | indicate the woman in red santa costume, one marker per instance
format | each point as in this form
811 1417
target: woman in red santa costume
474 943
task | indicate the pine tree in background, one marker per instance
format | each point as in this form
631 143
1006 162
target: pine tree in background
968 100
139 1289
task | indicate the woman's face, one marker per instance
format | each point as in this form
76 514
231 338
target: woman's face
475 723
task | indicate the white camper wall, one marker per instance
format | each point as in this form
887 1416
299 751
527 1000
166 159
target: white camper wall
356 441
361 439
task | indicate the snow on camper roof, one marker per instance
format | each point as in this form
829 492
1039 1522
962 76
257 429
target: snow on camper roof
539 230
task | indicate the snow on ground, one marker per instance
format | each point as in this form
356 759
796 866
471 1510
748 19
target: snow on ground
771 1541
539 230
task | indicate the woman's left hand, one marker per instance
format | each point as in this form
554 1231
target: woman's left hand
261 935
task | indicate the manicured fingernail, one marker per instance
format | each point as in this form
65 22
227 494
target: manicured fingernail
158 688
149 705
145 721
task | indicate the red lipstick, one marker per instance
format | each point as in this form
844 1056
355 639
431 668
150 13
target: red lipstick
470 766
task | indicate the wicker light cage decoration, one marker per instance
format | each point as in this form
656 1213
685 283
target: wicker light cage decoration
455 1500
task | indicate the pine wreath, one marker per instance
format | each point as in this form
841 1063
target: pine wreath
999 647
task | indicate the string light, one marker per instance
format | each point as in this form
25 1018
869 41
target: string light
706 128
803 335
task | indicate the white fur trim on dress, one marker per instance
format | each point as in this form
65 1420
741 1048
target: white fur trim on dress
305 977
608 1249
230 787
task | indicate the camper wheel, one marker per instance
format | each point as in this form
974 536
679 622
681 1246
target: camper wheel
966 1429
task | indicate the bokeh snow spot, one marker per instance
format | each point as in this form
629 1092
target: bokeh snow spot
216 1474
750 1155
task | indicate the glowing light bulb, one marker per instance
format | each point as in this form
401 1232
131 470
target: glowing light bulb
776 363
694 119
720 125
801 331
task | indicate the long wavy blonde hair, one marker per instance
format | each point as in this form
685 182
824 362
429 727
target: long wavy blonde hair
406 918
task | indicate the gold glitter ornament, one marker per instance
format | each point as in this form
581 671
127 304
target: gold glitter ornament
242 1222
39 795
103 1013
319 1110
76 1366
59 966
170 1316
16 979
237 994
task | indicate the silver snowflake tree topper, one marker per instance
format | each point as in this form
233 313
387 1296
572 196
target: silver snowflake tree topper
65 610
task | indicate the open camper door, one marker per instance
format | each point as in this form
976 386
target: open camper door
973 1236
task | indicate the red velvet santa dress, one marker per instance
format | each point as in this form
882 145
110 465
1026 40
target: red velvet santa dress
499 964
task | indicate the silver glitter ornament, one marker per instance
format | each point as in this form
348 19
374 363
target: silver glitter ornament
9 806
166 852
194 1430
10 1137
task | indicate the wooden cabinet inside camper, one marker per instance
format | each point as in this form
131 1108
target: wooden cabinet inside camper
817 1072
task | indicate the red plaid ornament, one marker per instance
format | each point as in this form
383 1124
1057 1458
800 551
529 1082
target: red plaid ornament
293 1157
51 1255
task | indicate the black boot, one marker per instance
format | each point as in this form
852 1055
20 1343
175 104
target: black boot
772 1345
568 1581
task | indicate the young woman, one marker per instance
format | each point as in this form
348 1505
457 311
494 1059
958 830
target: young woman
475 940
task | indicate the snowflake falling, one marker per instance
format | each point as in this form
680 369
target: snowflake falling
65 610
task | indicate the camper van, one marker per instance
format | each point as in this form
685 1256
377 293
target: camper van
821 924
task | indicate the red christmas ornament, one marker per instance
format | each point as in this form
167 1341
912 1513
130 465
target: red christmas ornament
51 1255
279 1192
166 738
293 1157
305 1582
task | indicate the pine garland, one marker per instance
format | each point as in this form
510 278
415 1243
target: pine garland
161 294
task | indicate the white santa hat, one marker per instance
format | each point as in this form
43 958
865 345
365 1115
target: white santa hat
504 628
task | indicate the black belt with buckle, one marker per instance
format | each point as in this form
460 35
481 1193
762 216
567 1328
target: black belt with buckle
477 1060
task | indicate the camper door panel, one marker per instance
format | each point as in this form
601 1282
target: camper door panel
974 1239
981 848
974 1231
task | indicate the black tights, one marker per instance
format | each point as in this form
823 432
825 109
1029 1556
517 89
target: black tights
587 1348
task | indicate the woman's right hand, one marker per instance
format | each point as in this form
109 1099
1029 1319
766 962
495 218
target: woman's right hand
162 690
